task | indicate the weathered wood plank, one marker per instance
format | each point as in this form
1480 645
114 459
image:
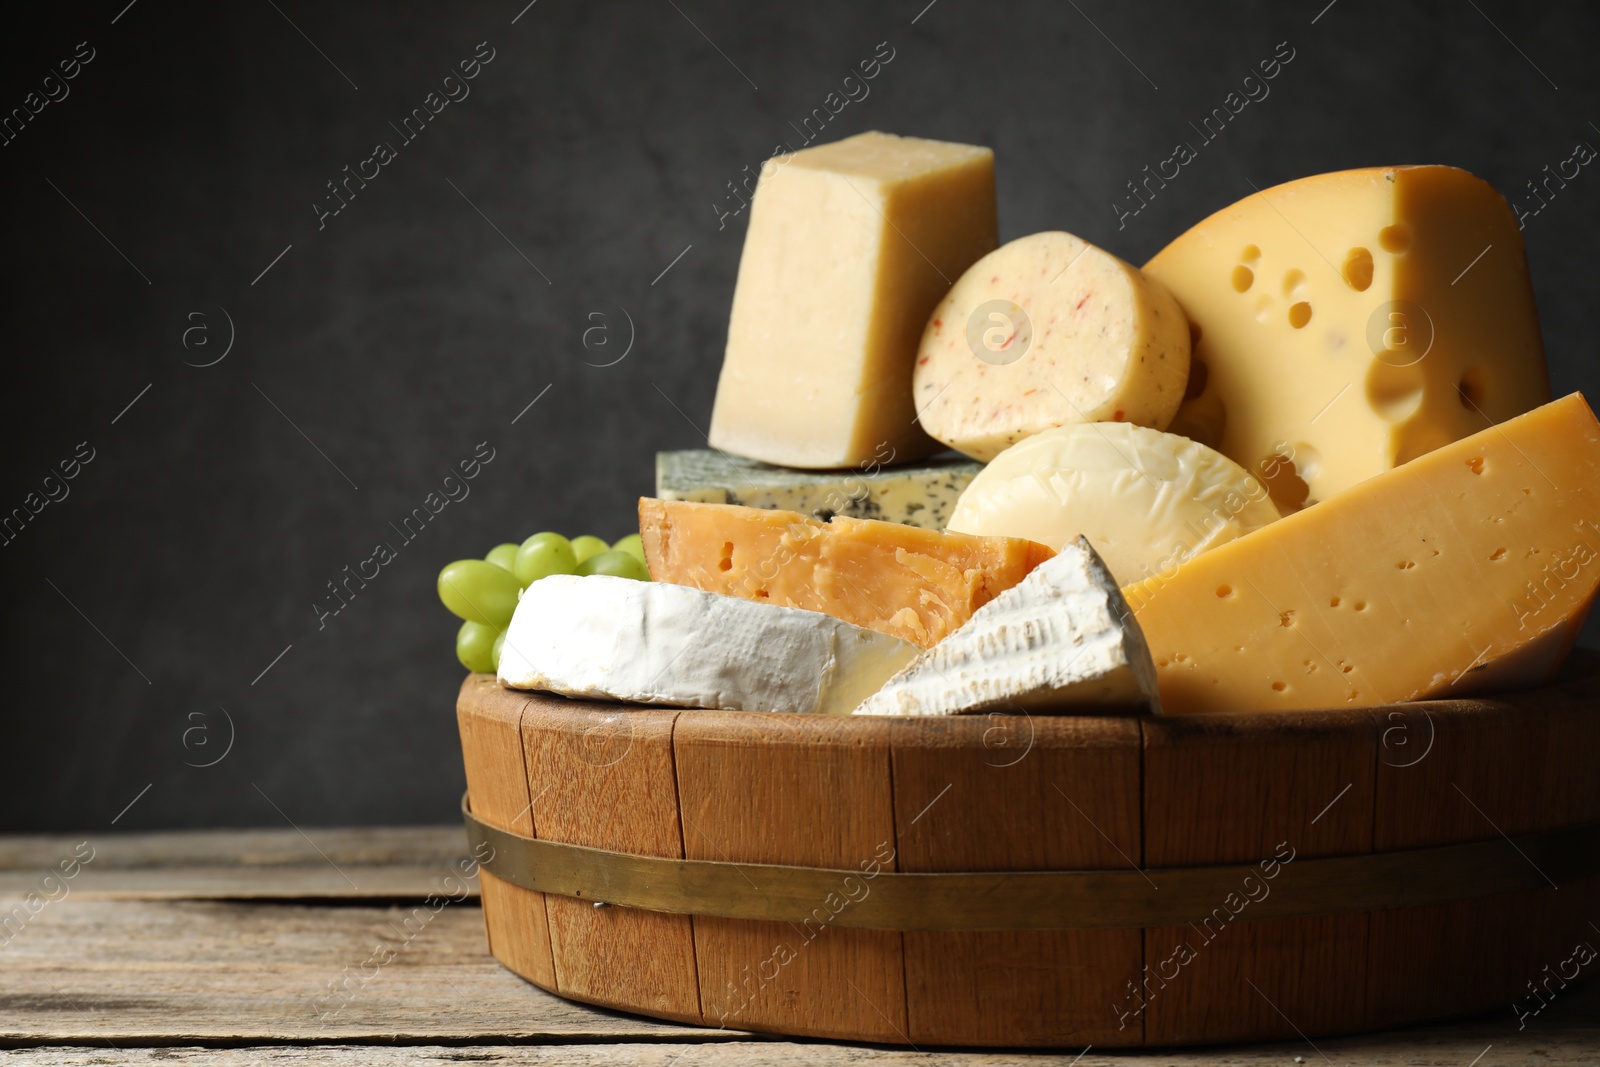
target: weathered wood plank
1567 1033
377 862
184 971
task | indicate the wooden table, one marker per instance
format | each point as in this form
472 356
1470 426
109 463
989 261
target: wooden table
280 947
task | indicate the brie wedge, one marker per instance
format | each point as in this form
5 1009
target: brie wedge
1061 640
653 643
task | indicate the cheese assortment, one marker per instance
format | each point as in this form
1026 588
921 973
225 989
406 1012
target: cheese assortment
1147 500
918 494
1351 322
650 643
1063 637
1398 588
1306 457
850 245
918 585
1048 331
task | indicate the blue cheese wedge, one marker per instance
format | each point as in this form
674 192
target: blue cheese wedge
613 638
917 494
1063 640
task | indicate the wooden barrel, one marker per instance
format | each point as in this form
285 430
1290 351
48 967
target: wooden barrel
1156 800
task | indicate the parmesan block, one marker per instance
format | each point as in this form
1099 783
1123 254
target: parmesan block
1485 551
649 643
917 494
850 246
918 585
1350 322
1061 640
1146 500
1049 331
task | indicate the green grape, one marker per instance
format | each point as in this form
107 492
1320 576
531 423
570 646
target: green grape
503 555
632 545
542 555
494 653
620 564
475 645
588 545
479 591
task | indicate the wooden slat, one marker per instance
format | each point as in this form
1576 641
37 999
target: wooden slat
799 790
1014 793
176 972
603 777
1568 1034
1484 775
376 862
102 981
1236 792
490 719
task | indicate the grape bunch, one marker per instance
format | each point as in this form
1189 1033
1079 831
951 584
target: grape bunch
485 591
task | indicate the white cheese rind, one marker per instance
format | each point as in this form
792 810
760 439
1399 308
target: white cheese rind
916 494
1146 500
1063 640
653 643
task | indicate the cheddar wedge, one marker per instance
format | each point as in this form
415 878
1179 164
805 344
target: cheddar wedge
1480 556
918 585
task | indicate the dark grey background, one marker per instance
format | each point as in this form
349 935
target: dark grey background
191 549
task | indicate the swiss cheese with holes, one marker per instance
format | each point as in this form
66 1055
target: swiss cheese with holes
1347 323
1470 568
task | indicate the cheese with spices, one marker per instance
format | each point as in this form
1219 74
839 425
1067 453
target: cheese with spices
1049 331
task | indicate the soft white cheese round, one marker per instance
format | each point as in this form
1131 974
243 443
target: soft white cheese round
1146 500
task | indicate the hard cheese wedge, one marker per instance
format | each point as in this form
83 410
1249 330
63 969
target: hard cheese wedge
1061 640
1483 552
917 494
1354 321
850 246
1146 500
649 643
1049 331
918 585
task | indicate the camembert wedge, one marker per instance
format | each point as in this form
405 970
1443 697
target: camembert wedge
1061 640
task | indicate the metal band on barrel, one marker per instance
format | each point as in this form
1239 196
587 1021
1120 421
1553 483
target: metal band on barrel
1038 900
